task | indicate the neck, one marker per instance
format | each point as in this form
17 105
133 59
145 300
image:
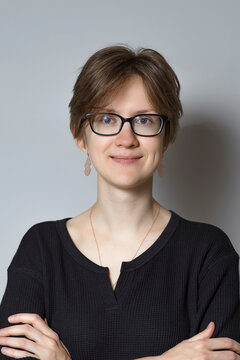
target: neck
123 213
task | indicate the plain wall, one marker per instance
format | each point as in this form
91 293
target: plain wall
43 46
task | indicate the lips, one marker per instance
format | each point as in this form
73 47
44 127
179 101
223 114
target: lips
126 157
125 160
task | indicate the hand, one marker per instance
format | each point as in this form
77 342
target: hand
42 343
201 347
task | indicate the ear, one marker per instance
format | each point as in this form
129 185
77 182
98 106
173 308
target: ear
165 148
81 142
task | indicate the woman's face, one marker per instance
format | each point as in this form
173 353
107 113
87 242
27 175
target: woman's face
130 100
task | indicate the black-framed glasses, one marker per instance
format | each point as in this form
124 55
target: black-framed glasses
109 124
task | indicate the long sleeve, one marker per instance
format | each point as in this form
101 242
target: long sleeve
219 298
24 289
218 290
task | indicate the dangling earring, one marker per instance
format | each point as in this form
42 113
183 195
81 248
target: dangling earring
161 168
88 166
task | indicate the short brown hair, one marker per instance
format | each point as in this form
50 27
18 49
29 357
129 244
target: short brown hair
109 68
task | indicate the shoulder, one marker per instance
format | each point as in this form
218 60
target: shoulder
38 233
45 232
207 234
206 240
30 249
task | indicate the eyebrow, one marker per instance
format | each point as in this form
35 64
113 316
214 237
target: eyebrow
137 112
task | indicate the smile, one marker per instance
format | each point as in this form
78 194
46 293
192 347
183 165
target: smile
126 161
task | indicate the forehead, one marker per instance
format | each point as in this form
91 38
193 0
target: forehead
131 96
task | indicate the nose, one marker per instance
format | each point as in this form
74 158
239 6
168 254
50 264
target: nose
126 136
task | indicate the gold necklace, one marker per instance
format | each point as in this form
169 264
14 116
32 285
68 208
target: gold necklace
138 247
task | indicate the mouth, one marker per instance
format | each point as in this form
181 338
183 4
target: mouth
126 160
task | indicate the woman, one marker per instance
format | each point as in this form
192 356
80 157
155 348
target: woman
127 278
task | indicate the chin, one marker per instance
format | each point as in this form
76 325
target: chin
127 182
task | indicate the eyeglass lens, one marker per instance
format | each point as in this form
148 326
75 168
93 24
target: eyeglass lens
107 124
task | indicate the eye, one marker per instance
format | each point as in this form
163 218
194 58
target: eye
143 119
103 119
106 119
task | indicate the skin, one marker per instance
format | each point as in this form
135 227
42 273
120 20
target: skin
42 342
201 347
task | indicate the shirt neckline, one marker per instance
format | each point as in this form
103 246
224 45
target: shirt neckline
126 265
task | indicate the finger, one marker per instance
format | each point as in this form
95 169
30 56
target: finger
20 343
223 343
224 355
37 322
24 329
17 354
65 348
207 332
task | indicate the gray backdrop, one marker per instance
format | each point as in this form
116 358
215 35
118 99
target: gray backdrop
43 45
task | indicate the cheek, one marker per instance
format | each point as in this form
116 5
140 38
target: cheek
154 149
99 148
158 154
